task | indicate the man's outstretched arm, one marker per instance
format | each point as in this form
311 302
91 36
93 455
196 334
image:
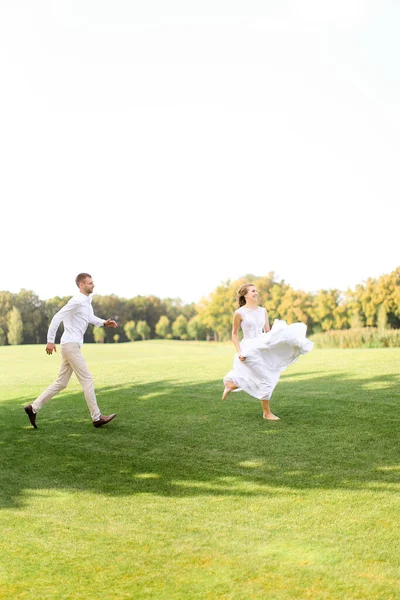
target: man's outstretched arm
100 322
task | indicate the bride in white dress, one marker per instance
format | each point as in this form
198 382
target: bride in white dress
263 353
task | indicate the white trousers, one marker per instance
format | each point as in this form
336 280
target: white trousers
72 361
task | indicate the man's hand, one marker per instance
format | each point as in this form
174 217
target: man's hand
50 348
110 323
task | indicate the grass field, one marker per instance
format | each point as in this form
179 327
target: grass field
186 497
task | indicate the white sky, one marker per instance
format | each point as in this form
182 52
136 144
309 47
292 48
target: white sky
165 147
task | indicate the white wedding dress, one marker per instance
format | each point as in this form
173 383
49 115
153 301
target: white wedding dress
267 354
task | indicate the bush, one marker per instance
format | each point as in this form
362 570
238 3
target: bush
143 330
179 328
363 337
15 327
130 330
99 335
163 327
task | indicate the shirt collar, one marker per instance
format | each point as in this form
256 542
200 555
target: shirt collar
84 298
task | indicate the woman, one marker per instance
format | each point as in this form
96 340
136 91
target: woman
263 353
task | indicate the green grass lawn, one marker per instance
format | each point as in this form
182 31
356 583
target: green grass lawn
183 496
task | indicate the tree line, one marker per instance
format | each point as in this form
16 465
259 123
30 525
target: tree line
24 317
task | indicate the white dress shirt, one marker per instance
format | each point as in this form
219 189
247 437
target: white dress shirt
76 315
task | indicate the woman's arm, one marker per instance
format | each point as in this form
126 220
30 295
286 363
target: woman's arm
266 326
235 334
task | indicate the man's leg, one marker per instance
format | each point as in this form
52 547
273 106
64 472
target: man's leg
79 366
64 375
80 369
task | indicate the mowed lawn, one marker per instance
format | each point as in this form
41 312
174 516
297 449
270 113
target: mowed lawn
186 497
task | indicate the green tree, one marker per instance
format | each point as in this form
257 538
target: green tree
196 328
108 307
274 300
15 327
143 330
369 301
382 322
216 311
175 307
163 327
355 316
130 330
388 292
340 314
356 321
291 305
374 296
325 307
99 335
6 304
179 327
154 310
144 308
32 311
3 337
264 285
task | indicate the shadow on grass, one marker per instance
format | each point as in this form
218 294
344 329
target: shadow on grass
176 440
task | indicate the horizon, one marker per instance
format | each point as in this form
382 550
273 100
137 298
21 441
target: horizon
205 295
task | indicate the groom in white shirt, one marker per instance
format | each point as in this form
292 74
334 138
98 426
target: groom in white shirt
76 316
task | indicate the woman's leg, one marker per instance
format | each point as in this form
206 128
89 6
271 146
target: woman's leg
229 387
267 414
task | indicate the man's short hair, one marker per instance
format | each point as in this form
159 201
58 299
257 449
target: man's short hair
81 277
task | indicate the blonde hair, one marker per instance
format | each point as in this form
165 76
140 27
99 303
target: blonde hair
242 292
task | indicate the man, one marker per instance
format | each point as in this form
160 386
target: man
76 315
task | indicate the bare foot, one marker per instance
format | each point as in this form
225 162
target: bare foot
228 388
271 417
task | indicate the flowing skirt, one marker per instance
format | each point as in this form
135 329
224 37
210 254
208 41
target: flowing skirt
267 355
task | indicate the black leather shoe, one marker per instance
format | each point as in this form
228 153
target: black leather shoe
104 420
32 416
